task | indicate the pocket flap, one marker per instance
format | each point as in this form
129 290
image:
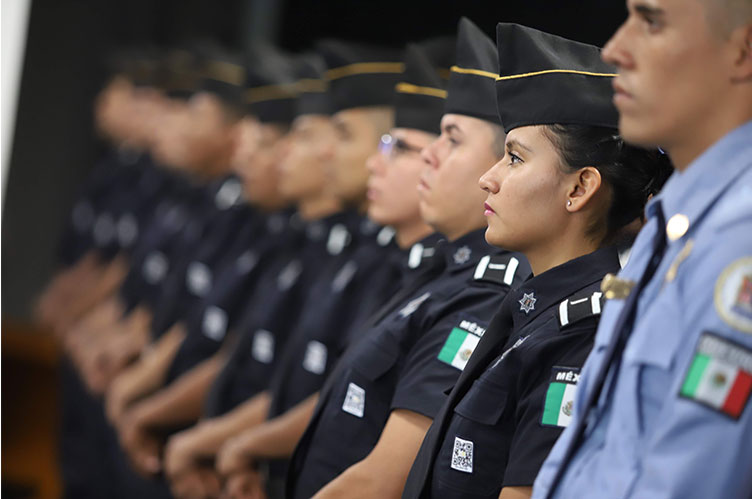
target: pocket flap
483 403
376 362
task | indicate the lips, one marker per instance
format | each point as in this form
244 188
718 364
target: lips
488 210
621 96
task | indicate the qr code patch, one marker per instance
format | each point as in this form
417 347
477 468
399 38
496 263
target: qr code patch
462 455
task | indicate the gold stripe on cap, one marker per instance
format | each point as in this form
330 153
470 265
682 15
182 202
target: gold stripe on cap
476 72
365 67
226 72
409 88
310 85
549 71
269 92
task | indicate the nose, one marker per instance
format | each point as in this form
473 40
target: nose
375 162
616 50
428 154
489 181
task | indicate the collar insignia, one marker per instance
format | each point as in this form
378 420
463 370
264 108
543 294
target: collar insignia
527 303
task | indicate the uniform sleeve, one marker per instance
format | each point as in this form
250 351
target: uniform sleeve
545 394
698 436
434 364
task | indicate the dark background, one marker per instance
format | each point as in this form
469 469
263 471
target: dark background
54 144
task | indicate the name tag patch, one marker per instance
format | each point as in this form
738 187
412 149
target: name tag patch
559 403
355 400
462 455
720 375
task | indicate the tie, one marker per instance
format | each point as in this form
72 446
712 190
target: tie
615 348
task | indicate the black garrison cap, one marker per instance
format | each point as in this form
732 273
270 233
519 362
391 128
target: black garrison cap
311 86
545 79
421 93
472 90
180 73
142 65
360 75
221 74
270 93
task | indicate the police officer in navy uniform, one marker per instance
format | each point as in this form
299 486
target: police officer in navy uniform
561 195
663 408
381 397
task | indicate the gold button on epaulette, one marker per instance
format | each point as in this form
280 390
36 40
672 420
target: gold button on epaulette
615 288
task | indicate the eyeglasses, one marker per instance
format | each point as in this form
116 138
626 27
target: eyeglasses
392 147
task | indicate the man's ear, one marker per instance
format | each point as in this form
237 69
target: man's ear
740 43
585 183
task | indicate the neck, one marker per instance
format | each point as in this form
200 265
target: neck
700 138
408 234
318 207
453 235
543 259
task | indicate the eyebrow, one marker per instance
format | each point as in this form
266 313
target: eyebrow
647 10
452 128
514 142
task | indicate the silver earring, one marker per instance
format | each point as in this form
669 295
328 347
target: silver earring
569 202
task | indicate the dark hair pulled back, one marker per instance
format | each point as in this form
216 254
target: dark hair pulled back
632 173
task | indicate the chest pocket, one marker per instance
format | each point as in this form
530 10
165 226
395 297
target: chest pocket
376 359
484 403
475 447
649 358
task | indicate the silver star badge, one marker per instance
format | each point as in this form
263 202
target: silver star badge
462 255
527 303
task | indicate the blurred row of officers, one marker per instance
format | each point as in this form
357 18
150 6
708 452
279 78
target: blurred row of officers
362 272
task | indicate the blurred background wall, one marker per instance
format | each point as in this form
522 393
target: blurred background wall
54 145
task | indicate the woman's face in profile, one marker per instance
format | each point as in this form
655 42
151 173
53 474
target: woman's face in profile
526 192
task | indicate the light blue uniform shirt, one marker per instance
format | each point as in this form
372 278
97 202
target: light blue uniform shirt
645 439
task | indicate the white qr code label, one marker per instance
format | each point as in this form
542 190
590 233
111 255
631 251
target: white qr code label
355 400
462 455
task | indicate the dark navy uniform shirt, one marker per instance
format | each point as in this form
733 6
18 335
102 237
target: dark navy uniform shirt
405 361
515 397
272 310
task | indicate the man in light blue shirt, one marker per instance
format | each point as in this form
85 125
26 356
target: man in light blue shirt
665 411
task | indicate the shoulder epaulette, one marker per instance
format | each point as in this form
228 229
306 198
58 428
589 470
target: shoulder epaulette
499 269
579 307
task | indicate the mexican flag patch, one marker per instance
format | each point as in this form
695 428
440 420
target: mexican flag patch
461 343
720 375
559 403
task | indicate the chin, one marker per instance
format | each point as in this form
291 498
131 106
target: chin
638 132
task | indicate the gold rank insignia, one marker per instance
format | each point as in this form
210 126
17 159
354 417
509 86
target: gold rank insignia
615 288
674 268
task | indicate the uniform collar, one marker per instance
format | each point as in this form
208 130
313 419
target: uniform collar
693 191
539 293
466 251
